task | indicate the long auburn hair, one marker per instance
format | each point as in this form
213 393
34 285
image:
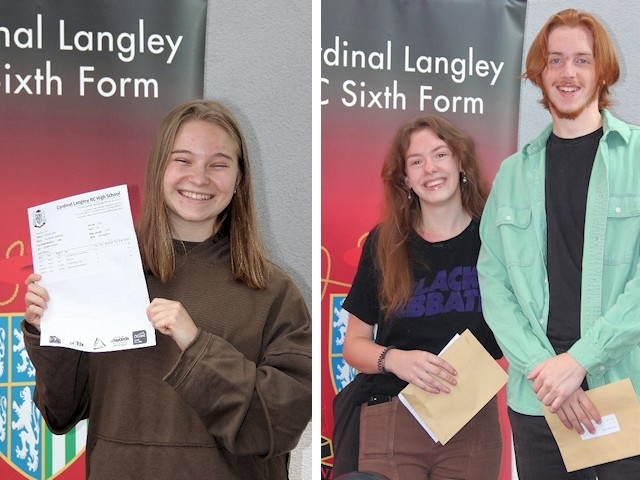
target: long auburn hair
401 215
607 66
249 262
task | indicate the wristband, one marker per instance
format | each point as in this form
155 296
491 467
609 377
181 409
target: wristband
381 358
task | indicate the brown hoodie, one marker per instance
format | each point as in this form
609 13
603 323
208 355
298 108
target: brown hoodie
231 406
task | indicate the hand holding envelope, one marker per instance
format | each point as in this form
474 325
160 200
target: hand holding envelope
617 437
479 378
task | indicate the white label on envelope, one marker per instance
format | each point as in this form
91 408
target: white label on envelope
609 425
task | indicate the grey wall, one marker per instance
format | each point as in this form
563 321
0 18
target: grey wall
258 62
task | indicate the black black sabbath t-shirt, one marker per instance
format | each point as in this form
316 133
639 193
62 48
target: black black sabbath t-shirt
445 297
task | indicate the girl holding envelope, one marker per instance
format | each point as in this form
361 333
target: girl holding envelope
417 283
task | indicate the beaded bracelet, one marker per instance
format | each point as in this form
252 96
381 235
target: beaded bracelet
381 358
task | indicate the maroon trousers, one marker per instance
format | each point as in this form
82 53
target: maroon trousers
393 443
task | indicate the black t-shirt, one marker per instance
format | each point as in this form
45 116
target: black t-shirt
445 300
568 169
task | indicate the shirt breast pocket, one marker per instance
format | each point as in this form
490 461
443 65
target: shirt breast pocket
622 235
518 237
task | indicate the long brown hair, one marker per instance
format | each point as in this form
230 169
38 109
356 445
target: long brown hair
607 67
401 215
249 263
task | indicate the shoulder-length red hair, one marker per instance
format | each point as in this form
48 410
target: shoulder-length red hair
401 214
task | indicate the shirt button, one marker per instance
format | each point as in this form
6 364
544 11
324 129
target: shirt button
508 218
618 209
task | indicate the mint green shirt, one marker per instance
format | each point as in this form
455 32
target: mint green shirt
512 265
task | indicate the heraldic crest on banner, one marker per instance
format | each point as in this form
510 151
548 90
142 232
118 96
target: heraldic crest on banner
25 442
341 372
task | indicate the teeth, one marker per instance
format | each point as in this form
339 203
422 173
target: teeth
196 196
435 183
569 89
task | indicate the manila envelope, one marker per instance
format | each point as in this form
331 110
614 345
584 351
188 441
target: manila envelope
617 437
479 378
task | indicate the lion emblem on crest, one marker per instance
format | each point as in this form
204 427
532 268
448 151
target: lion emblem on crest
28 425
